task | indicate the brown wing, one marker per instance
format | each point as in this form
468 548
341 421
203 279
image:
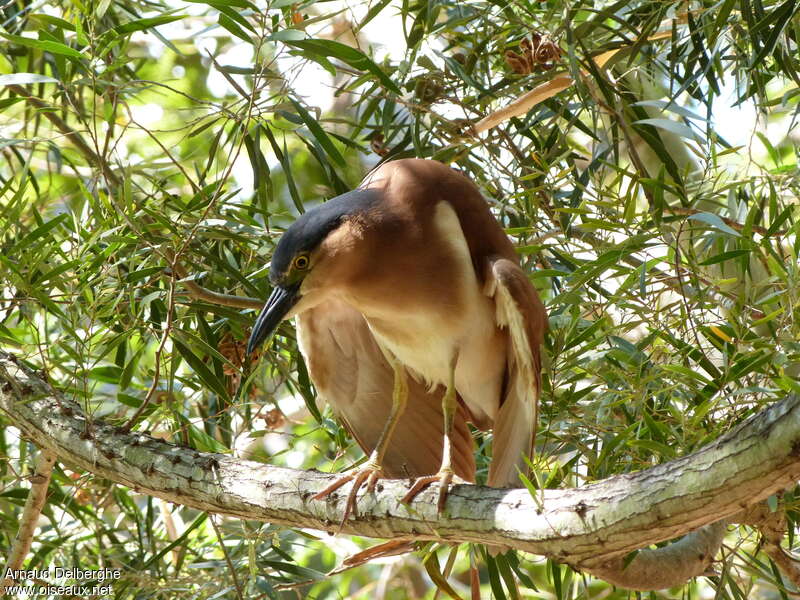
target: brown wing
520 310
352 375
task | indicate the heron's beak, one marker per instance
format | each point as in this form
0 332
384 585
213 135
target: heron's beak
279 304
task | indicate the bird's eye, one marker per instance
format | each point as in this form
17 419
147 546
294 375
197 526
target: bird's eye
301 262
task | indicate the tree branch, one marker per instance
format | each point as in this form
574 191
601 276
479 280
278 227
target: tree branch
40 480
589 528
788 564
207 295
771 524
668 566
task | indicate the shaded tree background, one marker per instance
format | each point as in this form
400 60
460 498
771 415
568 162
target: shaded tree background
658 224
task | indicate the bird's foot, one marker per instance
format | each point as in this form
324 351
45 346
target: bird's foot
369 473
444 477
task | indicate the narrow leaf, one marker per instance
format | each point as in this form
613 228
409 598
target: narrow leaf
435 573
287 35
199 367
142 24
351 56
47 46
714 221
25 78
672 126
722 257
319 133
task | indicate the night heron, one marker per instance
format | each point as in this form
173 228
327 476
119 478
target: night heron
414 317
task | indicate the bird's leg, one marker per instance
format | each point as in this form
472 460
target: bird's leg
445 474
371 471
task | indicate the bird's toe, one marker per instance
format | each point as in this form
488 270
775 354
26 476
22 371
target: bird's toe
369 473
444 478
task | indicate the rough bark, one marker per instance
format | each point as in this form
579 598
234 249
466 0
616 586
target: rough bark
42 470
770 522
590 528
661 567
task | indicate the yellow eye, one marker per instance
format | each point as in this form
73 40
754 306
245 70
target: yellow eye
301 262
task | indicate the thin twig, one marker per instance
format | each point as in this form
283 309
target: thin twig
157 358
231 568
76 138
207 295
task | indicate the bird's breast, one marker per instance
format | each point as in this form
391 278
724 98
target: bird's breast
431 313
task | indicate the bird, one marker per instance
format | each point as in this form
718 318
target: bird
414 318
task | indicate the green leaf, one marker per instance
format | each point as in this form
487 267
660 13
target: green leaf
774 155
767 318
775 23
772 502
180 541
6 102
555 571
656 448
372 13
722 257
287 567
432 567
25 78
507 574
106 373
51 20
721 20
130 367
318 133
149 23
231 26
714 221
513 561
203 442
235 15
667 125
233 3
671 107
355 58
748 363
199 367
287 167
494 577
47 46
39 232
287 35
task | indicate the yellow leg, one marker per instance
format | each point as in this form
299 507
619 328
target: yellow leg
445 474
449 405
399 401
373 468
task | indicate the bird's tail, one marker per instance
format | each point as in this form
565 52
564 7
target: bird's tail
514 432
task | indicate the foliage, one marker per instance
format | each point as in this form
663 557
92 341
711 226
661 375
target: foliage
662 234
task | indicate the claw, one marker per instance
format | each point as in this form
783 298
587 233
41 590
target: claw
445 478
369 473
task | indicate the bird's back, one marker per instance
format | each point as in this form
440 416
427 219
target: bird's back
417 186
